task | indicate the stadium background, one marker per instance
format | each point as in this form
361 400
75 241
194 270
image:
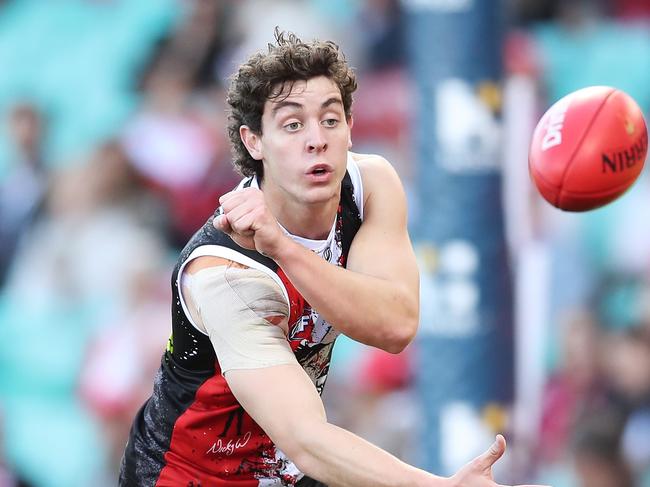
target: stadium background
113 149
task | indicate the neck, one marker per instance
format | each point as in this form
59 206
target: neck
313 221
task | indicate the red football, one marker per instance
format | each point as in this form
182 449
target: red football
588 148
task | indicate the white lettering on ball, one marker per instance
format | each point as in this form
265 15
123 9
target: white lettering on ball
553 134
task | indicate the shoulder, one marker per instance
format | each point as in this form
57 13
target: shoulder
378 176
222 284
370 162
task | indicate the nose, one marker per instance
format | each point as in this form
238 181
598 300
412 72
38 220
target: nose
316 141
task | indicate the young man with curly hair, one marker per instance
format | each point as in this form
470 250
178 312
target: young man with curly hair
312 243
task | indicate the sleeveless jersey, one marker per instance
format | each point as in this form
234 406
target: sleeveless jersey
192 431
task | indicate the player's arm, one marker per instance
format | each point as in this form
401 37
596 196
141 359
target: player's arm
245 315
376 299
236 305
284 402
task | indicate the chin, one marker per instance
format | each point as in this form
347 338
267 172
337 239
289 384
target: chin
320 195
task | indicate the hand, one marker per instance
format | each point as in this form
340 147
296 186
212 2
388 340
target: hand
478 472
248 221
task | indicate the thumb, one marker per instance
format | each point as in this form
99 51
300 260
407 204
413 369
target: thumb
220 222
496 451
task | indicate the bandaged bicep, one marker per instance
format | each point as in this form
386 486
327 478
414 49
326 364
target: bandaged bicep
237 308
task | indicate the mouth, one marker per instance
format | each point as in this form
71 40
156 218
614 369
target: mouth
319 170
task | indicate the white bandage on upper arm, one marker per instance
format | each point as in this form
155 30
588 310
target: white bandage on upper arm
235 305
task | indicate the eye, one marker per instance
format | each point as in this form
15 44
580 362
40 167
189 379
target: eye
330 122
293 126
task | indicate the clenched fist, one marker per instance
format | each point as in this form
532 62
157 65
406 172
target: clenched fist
248 221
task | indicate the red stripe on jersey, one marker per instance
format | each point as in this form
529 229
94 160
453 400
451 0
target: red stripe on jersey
296 301
216 443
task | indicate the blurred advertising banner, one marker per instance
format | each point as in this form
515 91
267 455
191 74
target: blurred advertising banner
465 343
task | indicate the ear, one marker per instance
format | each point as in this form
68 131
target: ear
252 142
350 124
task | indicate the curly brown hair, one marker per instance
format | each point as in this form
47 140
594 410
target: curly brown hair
265 76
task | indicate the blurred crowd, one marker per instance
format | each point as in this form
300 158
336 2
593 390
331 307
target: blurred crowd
113 151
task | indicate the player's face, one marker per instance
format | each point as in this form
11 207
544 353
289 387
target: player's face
304 142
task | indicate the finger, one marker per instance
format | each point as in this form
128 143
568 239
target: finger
225 197
221 223
244 224
230 201
242 217
240 202
242 194
233 200
239 207
496 450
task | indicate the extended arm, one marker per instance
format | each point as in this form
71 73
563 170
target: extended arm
284 402
236 307
245 314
